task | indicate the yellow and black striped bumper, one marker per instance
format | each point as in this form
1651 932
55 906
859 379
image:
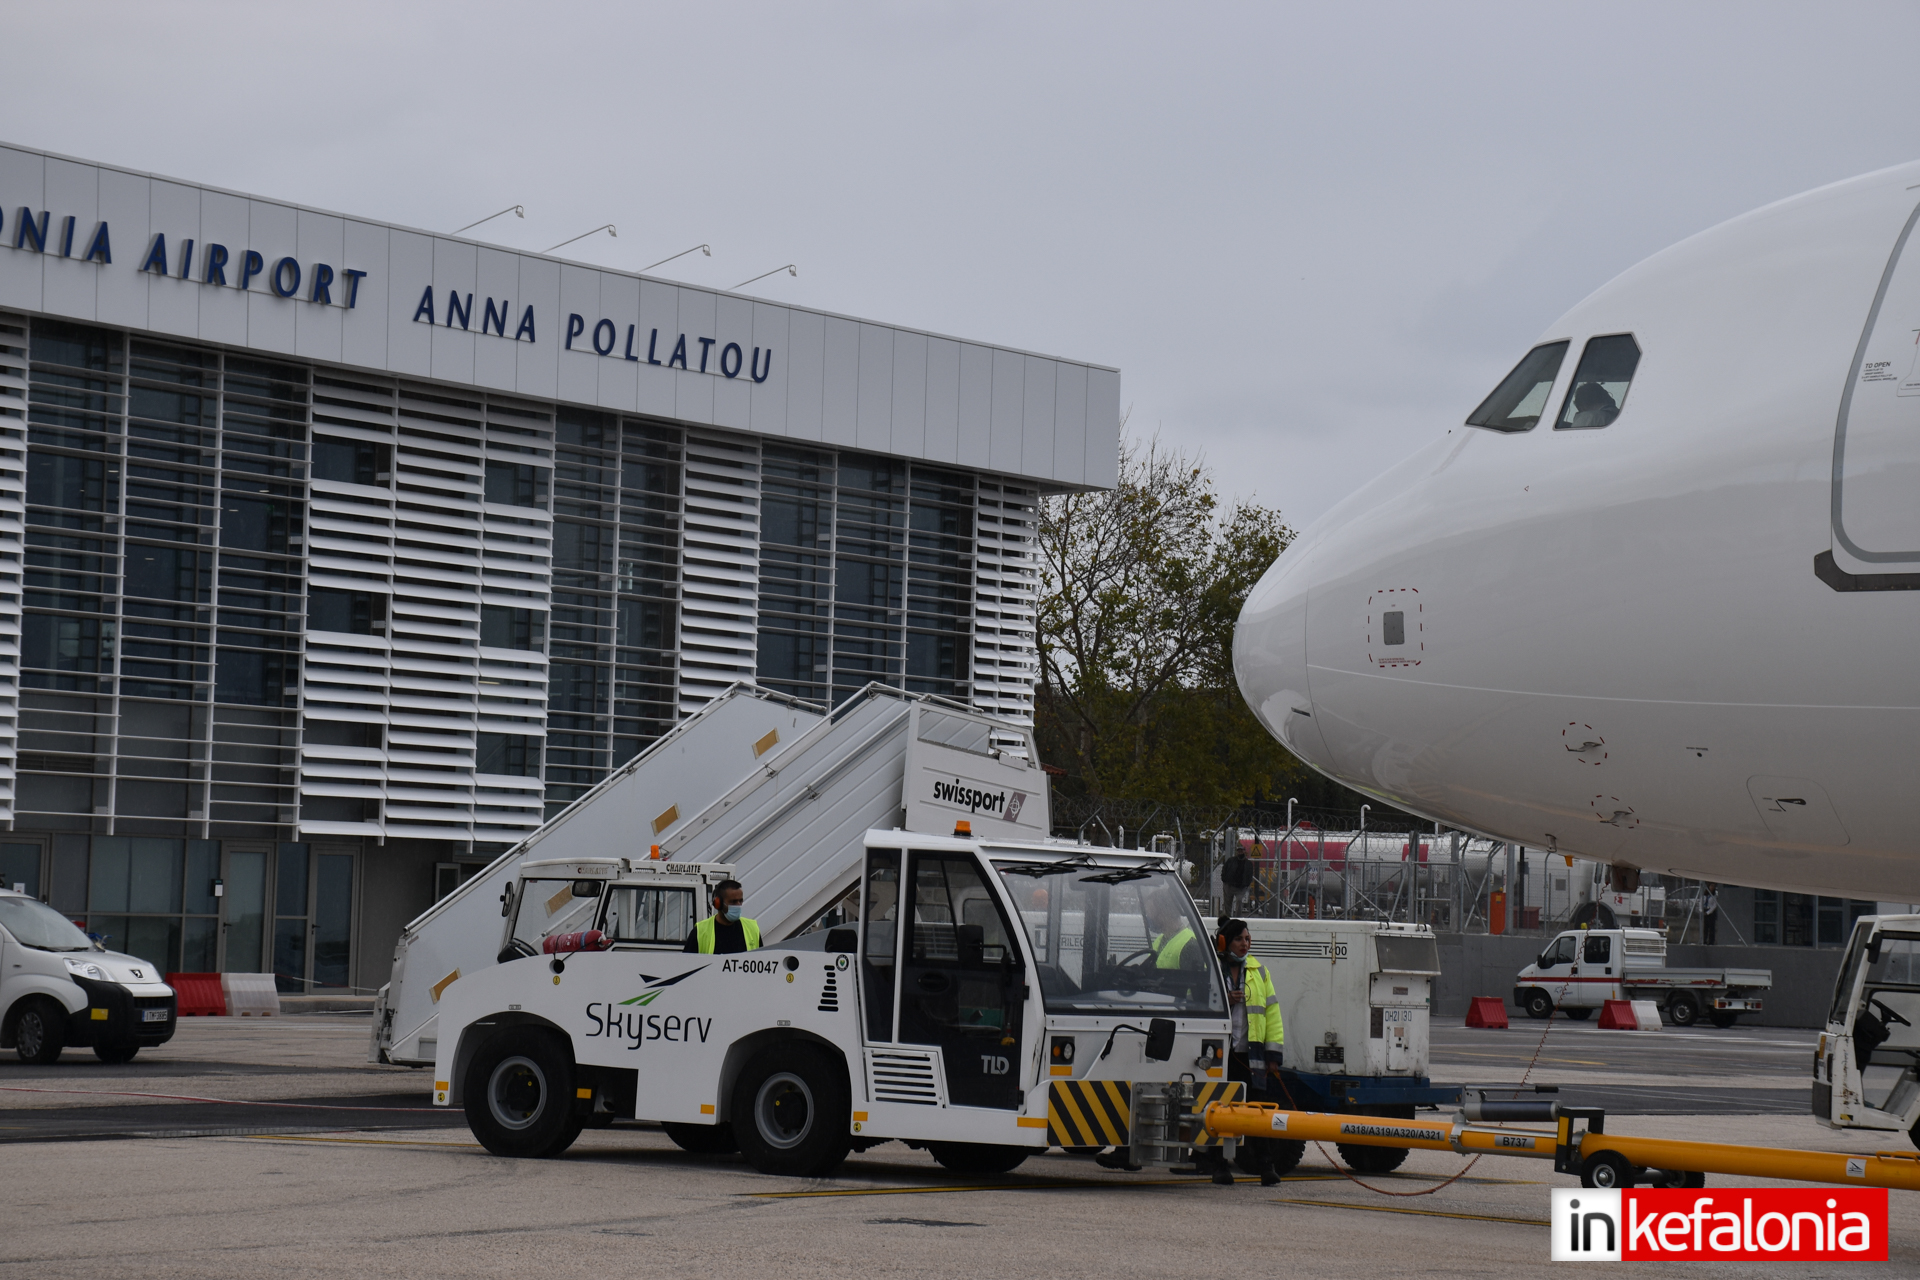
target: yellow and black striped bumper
1096 1113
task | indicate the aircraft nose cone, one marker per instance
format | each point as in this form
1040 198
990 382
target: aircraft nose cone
1270 653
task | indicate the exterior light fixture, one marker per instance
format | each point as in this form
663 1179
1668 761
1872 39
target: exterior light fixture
706 249
584 234
790 269
518 211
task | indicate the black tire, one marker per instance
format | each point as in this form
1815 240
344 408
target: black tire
519 1095
1581 1014
1539 1004
792 1108
40 1032
115 1053
1693 1180
703 1139
1721 1018
1607 1170
1913 1134
1287 1155
1683 1009
1371 1159
978 1157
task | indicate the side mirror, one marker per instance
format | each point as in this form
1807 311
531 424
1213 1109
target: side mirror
506 902
1873 950
1159 1040
586 888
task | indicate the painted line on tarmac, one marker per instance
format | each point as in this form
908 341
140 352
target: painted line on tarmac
1010 1186
356 1142
1522 1056
1419 1213
226 1102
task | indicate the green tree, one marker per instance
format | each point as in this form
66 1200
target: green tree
1140 588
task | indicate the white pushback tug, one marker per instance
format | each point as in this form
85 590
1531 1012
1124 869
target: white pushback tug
984 995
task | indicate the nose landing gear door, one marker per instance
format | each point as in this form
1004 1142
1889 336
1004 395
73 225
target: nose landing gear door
961 985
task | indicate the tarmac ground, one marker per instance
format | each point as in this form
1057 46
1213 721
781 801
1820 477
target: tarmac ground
347 1171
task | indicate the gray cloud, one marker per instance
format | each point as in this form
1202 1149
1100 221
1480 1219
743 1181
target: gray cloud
1310 236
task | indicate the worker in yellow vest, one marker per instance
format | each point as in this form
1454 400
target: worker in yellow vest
1253 1058
726 930
1170 935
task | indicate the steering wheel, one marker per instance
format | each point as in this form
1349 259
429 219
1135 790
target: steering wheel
1889 1015
1126 961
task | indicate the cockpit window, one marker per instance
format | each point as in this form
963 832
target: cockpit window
1600 383
1517 403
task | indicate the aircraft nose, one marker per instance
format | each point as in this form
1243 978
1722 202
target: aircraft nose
1270 653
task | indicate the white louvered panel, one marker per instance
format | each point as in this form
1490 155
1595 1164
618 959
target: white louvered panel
349 547
895 1076
13 467
719 590
1005 653
435 614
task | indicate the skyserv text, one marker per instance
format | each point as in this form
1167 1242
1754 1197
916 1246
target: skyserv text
1749 1224
638 1028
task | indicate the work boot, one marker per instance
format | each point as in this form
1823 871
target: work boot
1217 1165
1118 1158
1269 1176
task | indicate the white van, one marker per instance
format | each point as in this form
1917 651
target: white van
58 989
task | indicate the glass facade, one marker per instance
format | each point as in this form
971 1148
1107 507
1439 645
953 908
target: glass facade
287 626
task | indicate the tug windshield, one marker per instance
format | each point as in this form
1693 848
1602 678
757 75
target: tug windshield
1115 940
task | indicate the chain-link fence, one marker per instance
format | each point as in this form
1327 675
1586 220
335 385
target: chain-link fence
1291 861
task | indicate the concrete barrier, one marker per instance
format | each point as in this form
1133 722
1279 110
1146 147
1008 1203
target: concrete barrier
250 995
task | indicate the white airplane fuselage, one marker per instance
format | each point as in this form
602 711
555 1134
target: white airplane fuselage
1687 640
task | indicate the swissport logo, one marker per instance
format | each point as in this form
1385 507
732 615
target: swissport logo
1748 1224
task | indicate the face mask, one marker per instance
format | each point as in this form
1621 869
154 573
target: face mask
1233 960
733 915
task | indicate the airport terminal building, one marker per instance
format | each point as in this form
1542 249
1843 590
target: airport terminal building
335 556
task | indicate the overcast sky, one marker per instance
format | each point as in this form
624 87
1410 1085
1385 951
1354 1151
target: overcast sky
1310 236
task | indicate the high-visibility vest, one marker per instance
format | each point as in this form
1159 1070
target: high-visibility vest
1168 948
703 934
1265 1033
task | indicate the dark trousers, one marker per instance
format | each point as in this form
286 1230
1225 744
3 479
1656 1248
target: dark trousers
1238 1068
1709 926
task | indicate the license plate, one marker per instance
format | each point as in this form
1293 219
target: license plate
153 1015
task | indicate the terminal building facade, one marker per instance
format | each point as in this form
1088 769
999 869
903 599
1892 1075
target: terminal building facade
337 556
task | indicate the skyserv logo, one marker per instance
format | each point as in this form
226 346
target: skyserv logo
625 1021
1770 1224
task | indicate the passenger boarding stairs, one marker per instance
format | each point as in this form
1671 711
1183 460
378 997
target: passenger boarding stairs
756 780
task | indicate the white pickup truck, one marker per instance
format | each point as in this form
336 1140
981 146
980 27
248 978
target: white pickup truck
1582 969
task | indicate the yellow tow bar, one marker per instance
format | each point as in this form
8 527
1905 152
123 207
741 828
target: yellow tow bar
1590 1152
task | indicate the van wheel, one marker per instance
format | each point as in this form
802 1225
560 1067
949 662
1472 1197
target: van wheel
978 1157
703 1139
1581 1014
792 1107
40 1032
1722 1019
1683 1009
519 1096
115 1053
1539 1004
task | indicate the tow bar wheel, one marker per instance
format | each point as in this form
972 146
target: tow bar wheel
518 1095
1607 1170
